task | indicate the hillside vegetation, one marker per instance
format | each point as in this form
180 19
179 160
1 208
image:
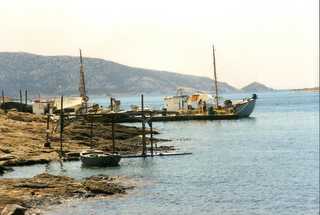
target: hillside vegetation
50 75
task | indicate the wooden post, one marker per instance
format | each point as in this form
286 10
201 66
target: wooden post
4 106
2 95
26 97
21 109
47 143
215 77
143 128
91 130
156 148
111 103
151 134
61 126
113 136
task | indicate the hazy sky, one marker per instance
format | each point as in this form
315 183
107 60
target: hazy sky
275 42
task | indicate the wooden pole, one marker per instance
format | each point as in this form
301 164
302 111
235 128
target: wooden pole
151 134
20 92
156 148
82 86
26 97
2 95
91 130
3 104
113 136
143 128
215 77
47 144
61 126
111 104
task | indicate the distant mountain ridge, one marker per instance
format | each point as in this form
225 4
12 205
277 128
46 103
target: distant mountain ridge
50 75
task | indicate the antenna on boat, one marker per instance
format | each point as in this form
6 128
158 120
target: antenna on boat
82 86
215 77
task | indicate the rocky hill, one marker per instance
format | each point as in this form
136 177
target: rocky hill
49 75
256 87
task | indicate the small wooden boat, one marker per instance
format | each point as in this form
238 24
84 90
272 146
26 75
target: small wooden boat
99 158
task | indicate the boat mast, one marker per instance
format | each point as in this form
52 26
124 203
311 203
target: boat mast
215 77
82 86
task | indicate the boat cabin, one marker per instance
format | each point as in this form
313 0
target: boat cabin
176 103
42 106
198 101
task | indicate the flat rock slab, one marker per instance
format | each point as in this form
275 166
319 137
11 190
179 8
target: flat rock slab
4 169
13 209
45 189
6 157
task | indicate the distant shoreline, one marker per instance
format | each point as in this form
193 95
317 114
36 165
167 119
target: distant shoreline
313 89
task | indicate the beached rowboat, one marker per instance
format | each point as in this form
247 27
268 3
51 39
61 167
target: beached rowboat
99 158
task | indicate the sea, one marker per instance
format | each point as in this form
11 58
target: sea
265 164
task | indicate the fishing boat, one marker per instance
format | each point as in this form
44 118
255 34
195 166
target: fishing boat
99 158
242 108
201 103
245 107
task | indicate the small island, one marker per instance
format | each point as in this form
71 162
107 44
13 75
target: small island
256 87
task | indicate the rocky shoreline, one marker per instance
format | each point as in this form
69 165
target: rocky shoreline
22 142
45 189
23 138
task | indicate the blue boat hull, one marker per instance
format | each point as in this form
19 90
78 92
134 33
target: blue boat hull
245 108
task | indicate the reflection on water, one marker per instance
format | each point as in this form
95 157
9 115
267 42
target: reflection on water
266 164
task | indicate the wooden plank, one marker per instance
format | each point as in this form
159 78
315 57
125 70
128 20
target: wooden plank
137 117
162 154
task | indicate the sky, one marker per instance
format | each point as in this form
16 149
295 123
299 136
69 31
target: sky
275 42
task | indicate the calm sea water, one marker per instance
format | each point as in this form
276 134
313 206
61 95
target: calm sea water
266 164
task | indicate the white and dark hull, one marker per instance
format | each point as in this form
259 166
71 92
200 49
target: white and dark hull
244 108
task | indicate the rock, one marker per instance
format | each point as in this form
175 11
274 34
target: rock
34 211
103 185
89 195
4 129
7 151
25 117
46 189
33 185
72 156
22 162
13 209
1 170
99 187
6 157
4 169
